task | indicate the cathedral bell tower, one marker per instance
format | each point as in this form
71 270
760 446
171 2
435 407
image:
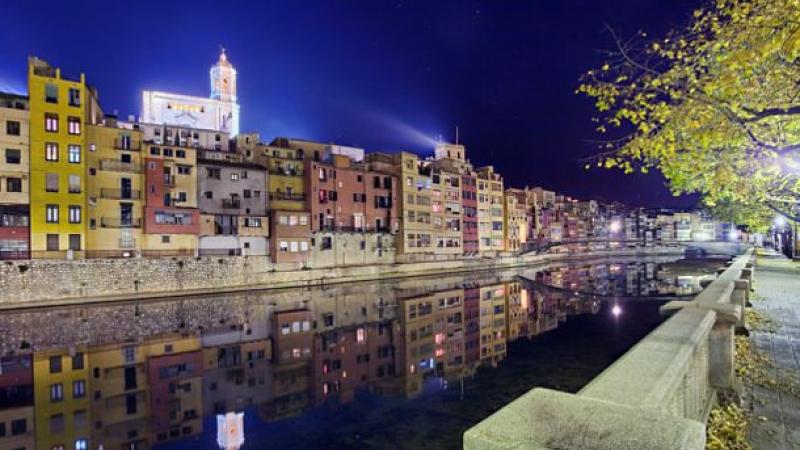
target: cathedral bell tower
223 79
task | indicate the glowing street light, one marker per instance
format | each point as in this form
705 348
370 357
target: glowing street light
616 311
779 221
615 226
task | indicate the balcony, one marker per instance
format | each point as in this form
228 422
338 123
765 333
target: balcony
169 180
286 171
120 194
231 203
119 144
285 196
116 222
119 166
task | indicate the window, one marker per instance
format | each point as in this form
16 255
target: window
252 222
75 242
19 426
292 221
55 364
155 151
303 220
13 156
74 97
78 389
130 404
180 153
74 184
125 158
284 246
51 122
51 93
52 216
57 425
246 193
303 246
167 152
74 125
208 194
184 170
56 392
81 444
13 184
283 220
129 354
293 246
212 172
74 153
52 244
234 176
74 217
51 151
12 128
165 239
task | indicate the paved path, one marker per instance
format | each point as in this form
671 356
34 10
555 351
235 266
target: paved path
777 282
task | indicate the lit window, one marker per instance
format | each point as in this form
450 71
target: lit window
52 213
283 220
73 125
284 246
81 444
360 335
303 246
234 176
74 153
74 184
56 392
78 389
51 151
292 221
74 214
51 122
293 246
303 220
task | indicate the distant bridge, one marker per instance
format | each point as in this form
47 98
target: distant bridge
704 247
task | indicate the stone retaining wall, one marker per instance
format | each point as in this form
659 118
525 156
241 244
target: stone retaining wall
657 396
48 282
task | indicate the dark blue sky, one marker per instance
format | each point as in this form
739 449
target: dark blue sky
378 74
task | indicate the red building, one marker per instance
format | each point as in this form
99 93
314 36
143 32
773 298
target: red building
348 196
176 403
166 211
14 232
289 242
469 199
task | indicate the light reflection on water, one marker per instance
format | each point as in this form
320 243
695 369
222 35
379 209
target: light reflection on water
407 363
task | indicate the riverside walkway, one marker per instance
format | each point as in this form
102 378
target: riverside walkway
777 287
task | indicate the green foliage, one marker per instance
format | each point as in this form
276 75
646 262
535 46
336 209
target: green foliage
715 107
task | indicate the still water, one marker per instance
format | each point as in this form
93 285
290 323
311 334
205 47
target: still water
408 363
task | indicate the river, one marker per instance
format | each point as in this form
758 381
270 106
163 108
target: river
408 363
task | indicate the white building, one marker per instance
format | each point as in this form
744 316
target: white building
220 112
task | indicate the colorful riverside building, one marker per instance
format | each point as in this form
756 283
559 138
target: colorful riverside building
58 112
491 215
16 403
171 214
115 190
61 398
14 177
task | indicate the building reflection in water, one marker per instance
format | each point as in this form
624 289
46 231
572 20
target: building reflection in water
132 376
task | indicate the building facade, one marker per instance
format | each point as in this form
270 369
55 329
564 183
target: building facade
14 177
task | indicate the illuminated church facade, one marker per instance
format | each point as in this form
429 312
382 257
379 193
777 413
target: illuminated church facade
219 112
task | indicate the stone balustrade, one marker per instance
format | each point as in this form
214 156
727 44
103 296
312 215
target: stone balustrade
655 397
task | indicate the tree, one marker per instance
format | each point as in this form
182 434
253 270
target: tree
714 106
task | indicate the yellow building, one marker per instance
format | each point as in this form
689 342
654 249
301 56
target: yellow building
491 216
115 190
416 228
57 162
61 386
14 176
493 323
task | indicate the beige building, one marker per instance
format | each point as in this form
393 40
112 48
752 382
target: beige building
14 176
516 220
446 212
115 190
491 216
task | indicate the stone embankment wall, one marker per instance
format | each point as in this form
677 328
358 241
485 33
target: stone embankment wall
48 282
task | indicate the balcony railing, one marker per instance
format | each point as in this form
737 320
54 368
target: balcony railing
119 144
285 196
119 166
120 194
286 171
116 222
169 180
231 203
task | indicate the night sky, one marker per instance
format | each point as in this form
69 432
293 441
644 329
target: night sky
376 74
